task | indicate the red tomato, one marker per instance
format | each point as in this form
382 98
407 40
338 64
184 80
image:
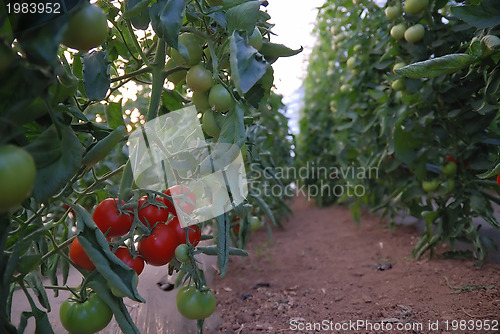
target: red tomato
109 219
79 257
123 253
151 213
236 228
159 247
498 180
194 232
183 197
450 158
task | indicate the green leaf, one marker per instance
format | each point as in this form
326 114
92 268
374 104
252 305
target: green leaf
212 250
120 311
42 323
41 44
486 175
438 66
492 87
58 155
114 115
272 51
405 146
247 65
243 17
265 207
104 146
35 283
485 15
232 127
114 271
222 243
166 18
137 11
96 77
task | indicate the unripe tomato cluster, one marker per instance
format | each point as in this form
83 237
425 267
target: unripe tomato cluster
415 32
412 34
191 64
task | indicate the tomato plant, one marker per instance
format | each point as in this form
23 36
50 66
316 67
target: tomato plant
17 176
158 248
413 98
192 50
182 253
219 98
193 232
195 304
137 263
393 12
85 317
110 219
415 6
150 214
87 28
450 169
79 257
199 79
414 33
183 197
79 84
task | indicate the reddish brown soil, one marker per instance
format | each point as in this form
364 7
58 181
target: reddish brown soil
323 268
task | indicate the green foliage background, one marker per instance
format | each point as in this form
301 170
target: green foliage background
353 118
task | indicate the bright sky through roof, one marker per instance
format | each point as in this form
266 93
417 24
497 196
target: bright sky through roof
294 22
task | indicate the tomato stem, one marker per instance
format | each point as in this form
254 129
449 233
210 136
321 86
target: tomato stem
158 80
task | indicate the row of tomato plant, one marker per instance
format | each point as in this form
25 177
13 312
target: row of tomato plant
402 99
69 199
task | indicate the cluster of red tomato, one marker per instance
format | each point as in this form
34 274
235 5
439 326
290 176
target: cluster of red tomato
157 248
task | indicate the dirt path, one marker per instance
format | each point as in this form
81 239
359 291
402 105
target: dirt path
324 271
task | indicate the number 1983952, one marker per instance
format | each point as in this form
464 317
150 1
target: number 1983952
472 325
34 8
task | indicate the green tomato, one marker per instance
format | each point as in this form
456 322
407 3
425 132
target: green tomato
177 76
430 216
351 62
398 84
447 186
255 39
192 50
87 28
85 317
430 186
182 253
413 7
219 98
255 223
398 31
397 66
209 124
393 12
415 33
345 88
195 304
17 176
357 48
200 101
199 79
450 169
